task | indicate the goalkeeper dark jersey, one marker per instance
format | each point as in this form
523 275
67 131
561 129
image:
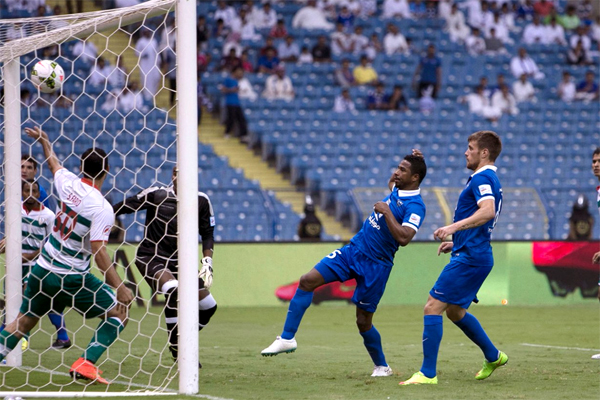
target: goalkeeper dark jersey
160 204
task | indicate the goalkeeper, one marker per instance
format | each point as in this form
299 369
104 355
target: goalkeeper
156 256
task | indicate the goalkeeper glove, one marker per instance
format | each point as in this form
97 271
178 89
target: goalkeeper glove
206 272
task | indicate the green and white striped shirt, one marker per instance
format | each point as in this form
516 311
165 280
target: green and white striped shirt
36 226
83 216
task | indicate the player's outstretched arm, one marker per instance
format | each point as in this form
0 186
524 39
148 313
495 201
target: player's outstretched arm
39 135
401 234
131 204
105 264
485 213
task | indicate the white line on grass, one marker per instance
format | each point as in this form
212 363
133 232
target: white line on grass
165 391
557 347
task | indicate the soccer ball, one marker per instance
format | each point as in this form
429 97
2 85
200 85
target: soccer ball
48 76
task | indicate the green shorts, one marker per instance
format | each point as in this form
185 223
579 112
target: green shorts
47 291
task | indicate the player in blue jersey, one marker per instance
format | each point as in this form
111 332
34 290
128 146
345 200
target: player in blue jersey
471 260
368 258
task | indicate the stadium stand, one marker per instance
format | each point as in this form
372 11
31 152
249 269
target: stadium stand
344 160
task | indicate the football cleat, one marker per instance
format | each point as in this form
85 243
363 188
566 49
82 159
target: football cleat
61 344
419 379
280 346
84 369
24 344
596 357
489 367
382 370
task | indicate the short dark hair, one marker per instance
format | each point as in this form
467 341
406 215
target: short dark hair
597 151
30 181
417 166
488 140
94 163
28 158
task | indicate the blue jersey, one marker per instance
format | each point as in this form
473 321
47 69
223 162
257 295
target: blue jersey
44 198
231 99
472 246
375 239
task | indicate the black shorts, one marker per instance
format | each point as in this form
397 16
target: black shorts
150 265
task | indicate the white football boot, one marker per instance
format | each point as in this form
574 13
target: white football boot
596 357
280 346
382 370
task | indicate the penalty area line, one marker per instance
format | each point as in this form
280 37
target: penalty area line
150 390
557 347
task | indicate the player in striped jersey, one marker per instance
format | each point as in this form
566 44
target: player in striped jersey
36 225
60 278
156 257
29 171
596 171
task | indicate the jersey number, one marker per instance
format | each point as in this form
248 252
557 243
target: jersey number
497 215
65 223
335 253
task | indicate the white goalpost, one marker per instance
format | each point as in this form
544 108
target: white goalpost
143 138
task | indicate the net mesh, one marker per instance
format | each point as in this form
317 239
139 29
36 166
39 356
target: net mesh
118 95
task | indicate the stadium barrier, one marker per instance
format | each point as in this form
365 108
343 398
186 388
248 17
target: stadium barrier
525 273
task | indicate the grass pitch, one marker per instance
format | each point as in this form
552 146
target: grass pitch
549 350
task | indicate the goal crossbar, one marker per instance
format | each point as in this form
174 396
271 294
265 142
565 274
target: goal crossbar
80 27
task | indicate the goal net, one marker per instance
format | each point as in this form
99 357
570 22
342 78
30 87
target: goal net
118 94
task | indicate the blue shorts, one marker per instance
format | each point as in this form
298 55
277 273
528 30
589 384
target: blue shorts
459 283
349 263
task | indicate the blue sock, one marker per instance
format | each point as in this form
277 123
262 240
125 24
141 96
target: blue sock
474 331
59 323
2 327
433 330
372 341
298 306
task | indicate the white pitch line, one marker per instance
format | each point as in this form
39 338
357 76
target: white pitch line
557 347
165 392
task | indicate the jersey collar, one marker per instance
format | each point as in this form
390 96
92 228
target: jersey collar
409 193
492 167
90 183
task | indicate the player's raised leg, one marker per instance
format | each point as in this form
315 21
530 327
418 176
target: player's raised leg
286 343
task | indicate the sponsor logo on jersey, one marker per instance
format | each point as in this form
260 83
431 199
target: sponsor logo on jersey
485 189
415 219
399 203
373 222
